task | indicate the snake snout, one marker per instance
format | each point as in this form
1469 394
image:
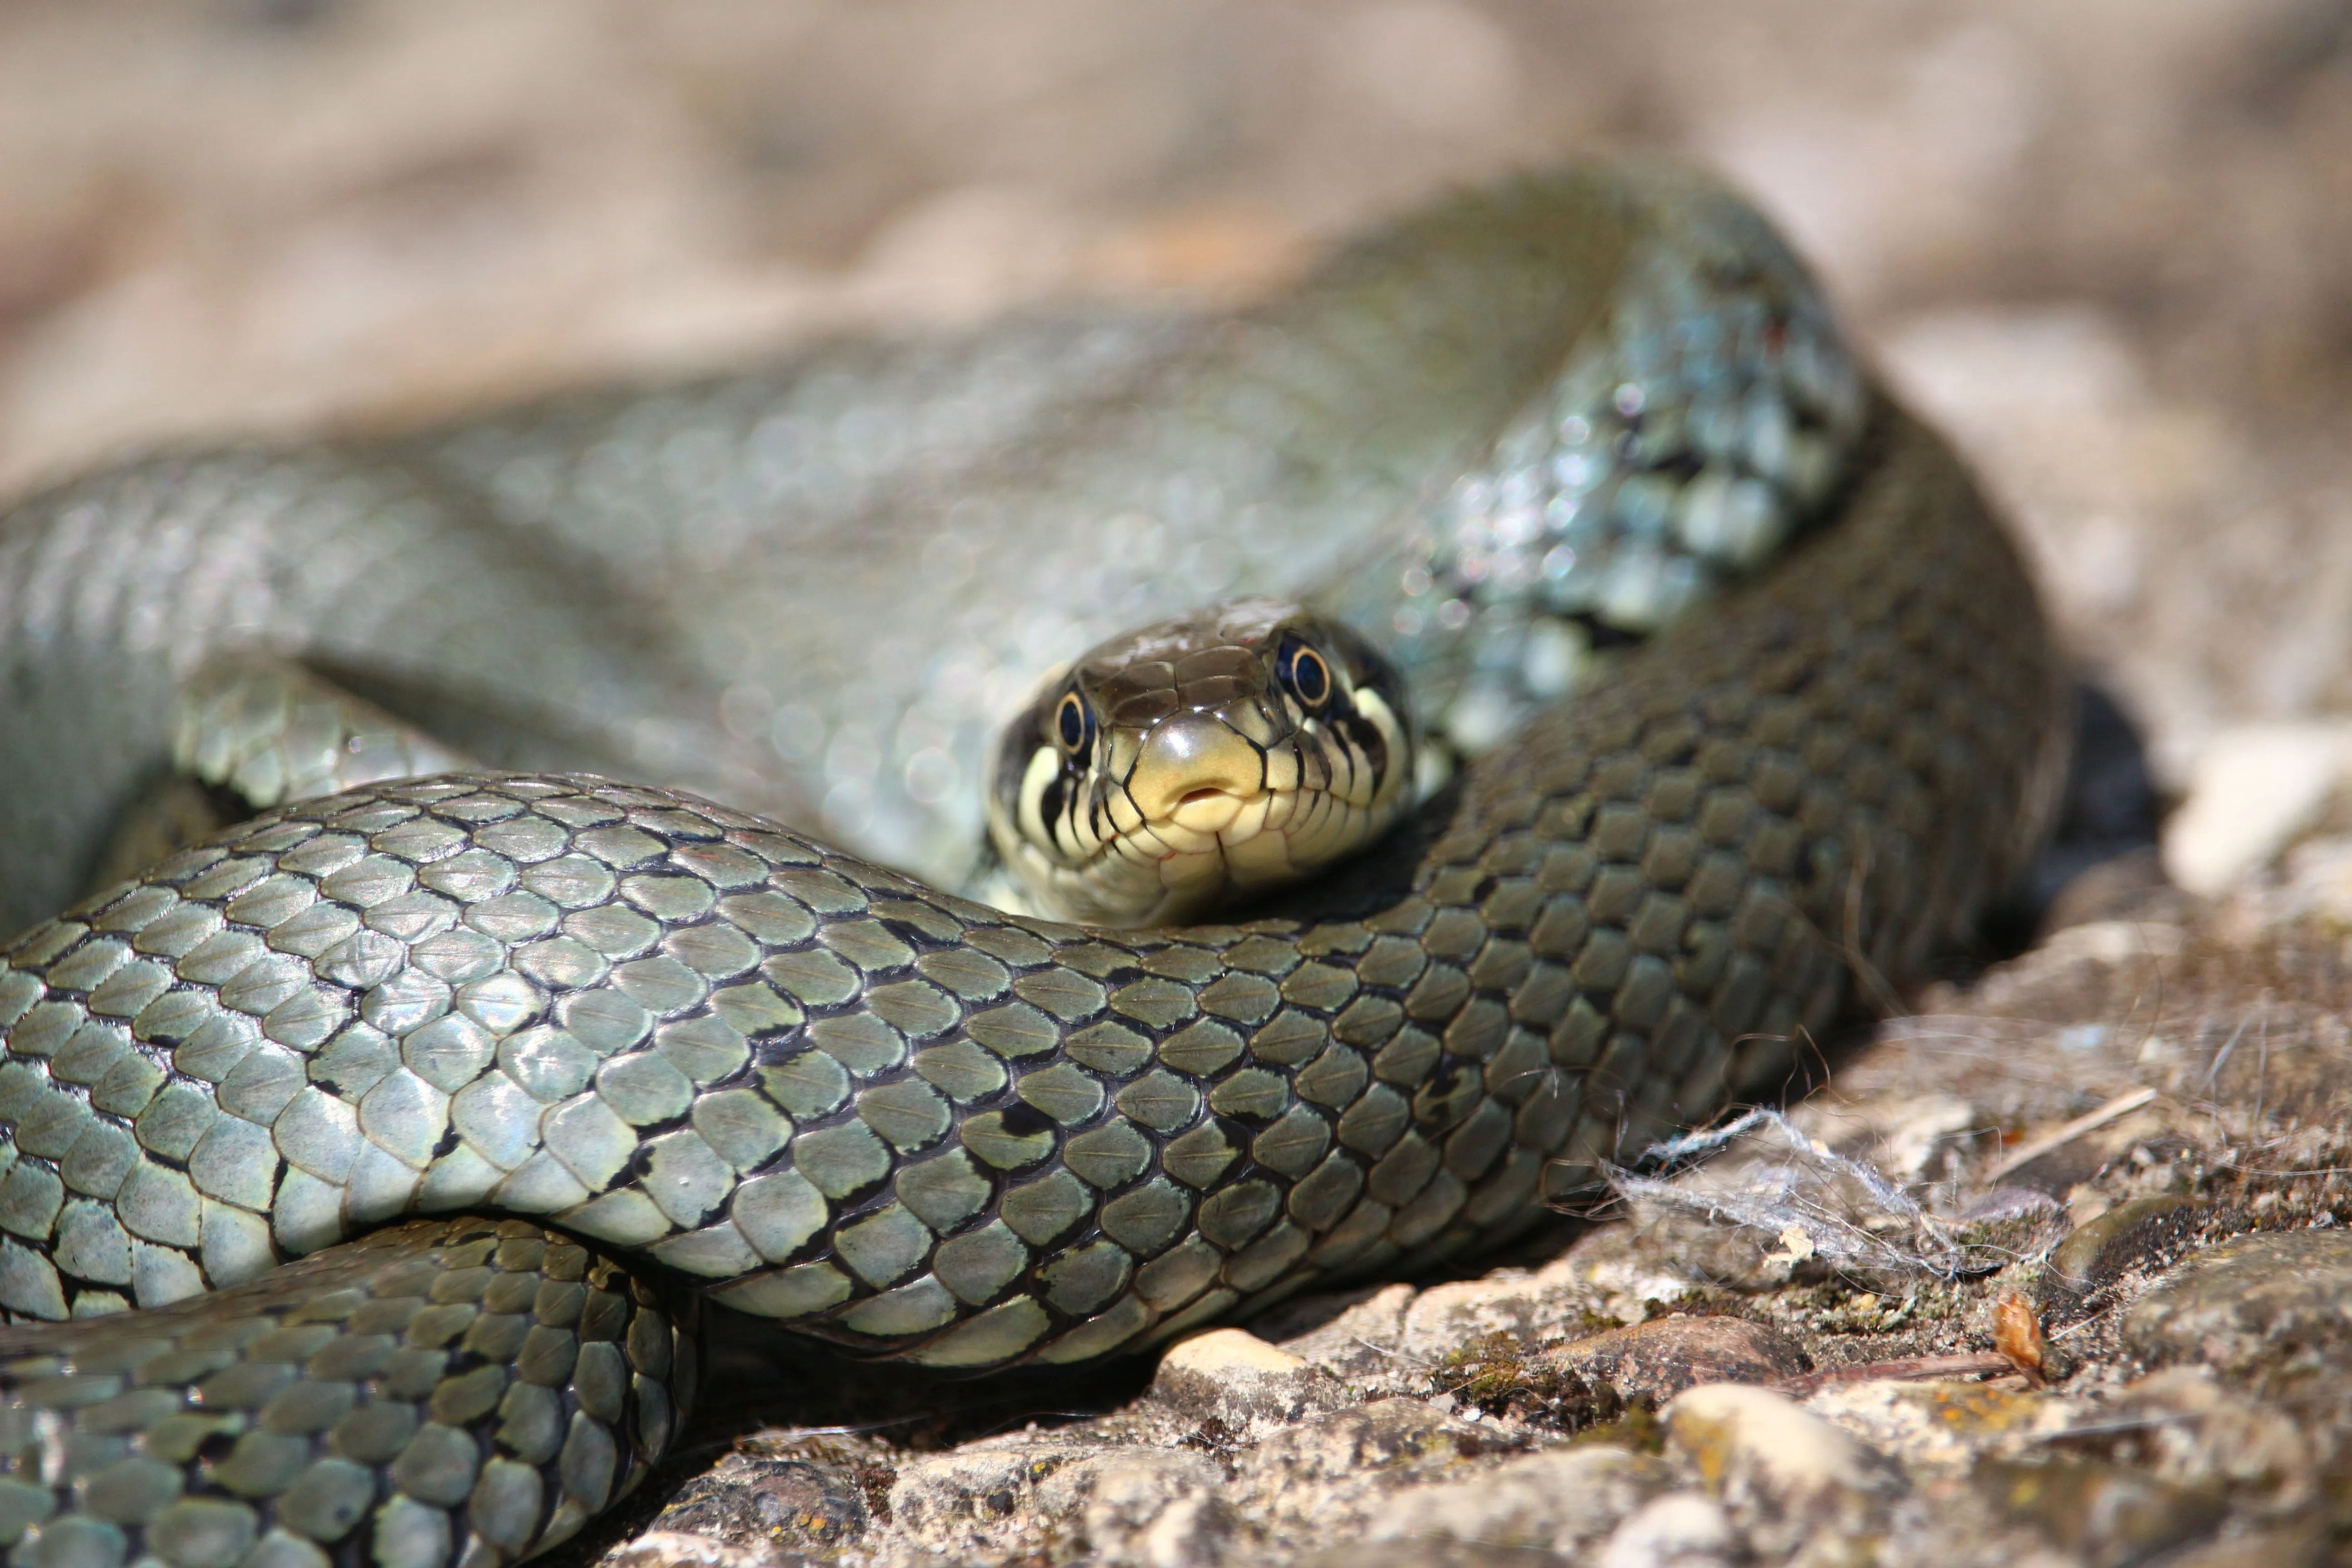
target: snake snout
1196 772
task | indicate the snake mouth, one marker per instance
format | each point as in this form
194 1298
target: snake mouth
1212 809
1161 871
1210 820
1239 840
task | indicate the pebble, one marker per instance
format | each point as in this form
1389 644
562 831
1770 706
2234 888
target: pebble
1155 1507
2103 1513
680 1549
2126 1237
2004 1206
2315 881
2007 1223
2303 1545
1239 1380
1784 1476
1190 1532
2212 1434
1425 1555
1681 1529
2251 1303
1351 1336
1223 1352
1939 1423
1565 1501
1651 1362
1404 1437
2249 792
792 1500
2131 887
946 1499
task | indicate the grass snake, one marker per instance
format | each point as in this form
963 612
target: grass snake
652 1048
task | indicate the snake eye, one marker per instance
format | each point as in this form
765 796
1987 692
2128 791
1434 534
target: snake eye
1304 671
1072 724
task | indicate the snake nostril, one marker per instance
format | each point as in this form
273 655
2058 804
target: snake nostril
1194 797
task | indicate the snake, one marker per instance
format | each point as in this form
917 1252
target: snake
368 1162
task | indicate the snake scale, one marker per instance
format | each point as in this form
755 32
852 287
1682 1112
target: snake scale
649 1047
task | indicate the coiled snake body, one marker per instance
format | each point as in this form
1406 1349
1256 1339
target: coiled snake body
822 1090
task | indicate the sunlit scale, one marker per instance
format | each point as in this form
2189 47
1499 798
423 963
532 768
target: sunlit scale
1683 444
1199 760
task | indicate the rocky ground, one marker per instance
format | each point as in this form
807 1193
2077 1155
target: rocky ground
2051 1269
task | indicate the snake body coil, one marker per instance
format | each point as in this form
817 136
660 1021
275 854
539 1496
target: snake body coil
906 1122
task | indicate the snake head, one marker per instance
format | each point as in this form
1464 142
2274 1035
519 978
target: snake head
1199 760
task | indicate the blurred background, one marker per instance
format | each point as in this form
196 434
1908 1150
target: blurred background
2108 243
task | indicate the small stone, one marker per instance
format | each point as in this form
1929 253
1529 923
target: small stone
2252 789
2301 1545
1422 1554
1408 1438
2251 1303
804 1504
677 1549
1651 1362
1155 1507
2007 1222
1681 1529
1190 1532
1224 1352
2226 1435
2129 1235
2103 1513
1564 1502
1935 1423
940 1498
1242 1381
1783 1474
